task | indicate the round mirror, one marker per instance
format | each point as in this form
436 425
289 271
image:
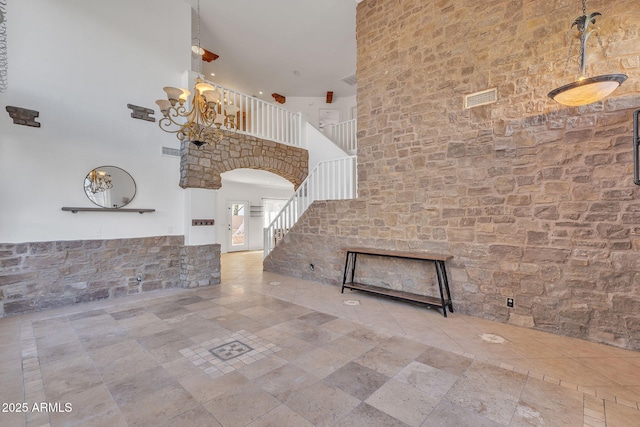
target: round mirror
109 187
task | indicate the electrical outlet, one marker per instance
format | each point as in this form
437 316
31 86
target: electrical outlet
509 302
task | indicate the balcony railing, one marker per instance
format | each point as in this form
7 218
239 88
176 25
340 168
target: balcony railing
263 119
344 135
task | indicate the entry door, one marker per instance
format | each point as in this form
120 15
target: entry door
238 225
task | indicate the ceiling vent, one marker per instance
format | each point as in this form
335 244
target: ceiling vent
350 80
481 98
168 151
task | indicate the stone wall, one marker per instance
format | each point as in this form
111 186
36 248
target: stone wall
199 265
534 200
201 167
42 275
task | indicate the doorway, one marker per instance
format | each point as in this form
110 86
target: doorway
238 225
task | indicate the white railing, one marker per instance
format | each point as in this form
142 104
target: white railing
344 136
263 119
329 180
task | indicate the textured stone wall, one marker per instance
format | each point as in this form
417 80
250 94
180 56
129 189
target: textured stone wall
201 167
41 275
534 200
199 265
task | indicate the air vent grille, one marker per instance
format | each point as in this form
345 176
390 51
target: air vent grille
481 98
350 80
168 151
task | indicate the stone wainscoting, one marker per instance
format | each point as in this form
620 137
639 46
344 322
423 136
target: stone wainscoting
199 265
37 276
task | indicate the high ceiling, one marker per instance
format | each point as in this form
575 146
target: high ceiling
296 48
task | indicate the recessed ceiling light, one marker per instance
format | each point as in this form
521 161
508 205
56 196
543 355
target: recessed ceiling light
213 74
260 92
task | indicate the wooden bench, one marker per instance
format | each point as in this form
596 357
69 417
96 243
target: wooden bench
441 274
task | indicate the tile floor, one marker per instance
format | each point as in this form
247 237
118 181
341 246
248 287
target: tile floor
305 355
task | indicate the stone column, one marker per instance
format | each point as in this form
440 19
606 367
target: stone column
199 265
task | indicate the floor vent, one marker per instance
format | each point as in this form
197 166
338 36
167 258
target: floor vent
481 98
350 80
168 151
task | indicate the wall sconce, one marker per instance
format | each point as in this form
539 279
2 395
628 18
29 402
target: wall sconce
586 90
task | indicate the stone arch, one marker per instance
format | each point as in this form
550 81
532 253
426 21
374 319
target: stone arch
202 167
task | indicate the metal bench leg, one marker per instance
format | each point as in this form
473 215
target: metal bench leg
344 276
446 285
439 276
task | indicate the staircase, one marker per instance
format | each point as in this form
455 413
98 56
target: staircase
334 179
329 180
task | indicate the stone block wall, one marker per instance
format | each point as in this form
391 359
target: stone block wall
37 276
534 200
201 167
199 265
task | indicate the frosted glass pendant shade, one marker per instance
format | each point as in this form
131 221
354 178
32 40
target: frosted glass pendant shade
588 90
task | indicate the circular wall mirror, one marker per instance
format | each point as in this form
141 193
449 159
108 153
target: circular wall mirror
109 187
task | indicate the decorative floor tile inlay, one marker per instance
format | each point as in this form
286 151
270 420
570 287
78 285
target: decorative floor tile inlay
222 355
230 350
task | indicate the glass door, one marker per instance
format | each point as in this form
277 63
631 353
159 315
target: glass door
238 226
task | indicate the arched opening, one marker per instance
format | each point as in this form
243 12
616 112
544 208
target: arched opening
247 201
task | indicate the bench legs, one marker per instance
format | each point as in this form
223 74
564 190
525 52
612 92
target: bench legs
349 265
441 274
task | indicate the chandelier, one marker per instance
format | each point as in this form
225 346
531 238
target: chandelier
586 90
205 119
97 181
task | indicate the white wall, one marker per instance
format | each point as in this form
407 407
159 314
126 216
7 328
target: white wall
79 63
311 107
254 195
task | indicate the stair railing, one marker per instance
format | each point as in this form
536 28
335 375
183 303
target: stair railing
329 180
344 136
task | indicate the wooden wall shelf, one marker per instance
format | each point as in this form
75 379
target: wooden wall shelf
76 210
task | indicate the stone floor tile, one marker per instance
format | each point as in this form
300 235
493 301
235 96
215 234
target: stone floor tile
130 389
617 415
285 381
85 404
430 380
155 408
384 361
482 400
240 408
196 417
262 367
348 346
544 403
403 402
133 364
627 373
69 376
317 336
506 381
446 414
444 360
357 380
404 346
281 416
322 404
321 362
365 415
